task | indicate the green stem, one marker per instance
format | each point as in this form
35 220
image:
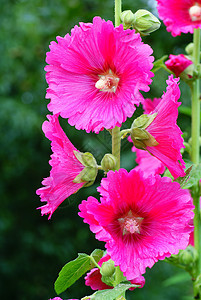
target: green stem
116 137
117 12
195 153
116 145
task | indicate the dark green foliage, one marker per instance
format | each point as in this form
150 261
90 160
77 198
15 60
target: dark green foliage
33 249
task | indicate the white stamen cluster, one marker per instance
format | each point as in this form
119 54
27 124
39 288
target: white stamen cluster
195 12
108 82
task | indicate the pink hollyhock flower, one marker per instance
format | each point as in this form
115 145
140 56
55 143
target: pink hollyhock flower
93 278
166 132
181 15
65 167
178 63
141 219
95 75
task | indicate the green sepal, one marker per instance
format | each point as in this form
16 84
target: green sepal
86 158
111 294
89 173
74 269
143 121
159 63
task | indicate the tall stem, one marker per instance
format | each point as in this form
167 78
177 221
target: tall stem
116 138
195 155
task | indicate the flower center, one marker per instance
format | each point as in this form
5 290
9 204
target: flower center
195 12
130 223
107 82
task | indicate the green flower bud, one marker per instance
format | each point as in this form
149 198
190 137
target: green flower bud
189 49
188 256
107 268
89 173
145 22
108 162
127 18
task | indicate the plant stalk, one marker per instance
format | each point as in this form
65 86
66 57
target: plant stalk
195 153
116 137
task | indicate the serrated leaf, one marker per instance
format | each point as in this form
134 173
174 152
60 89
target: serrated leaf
195 176
72 271
111 294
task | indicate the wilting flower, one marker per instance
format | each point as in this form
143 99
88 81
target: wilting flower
95 75
181 15
65 168
93 278
141 219
165 140
178 64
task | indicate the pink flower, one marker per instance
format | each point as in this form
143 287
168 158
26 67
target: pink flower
65 167
93 278
166 132
95 75
178 63
141 219
181 15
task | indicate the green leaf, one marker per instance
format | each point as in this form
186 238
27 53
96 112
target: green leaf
73 270
97 254
195 176
158 64
183 180
111 294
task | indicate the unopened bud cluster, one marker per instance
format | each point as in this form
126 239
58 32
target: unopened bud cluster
142 21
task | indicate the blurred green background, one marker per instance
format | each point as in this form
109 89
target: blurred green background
33 249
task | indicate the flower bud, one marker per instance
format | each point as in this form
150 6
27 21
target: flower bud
145 22
180 65
127 18
188 256
108 162
107 268
89 173
189 49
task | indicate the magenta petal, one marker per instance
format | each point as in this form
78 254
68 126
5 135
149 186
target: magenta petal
163 209
65 167
176 16
75 63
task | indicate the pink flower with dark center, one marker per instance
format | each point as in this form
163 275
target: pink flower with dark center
95 75
65 167
181 15
178 63
166 132
93 278
141 219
